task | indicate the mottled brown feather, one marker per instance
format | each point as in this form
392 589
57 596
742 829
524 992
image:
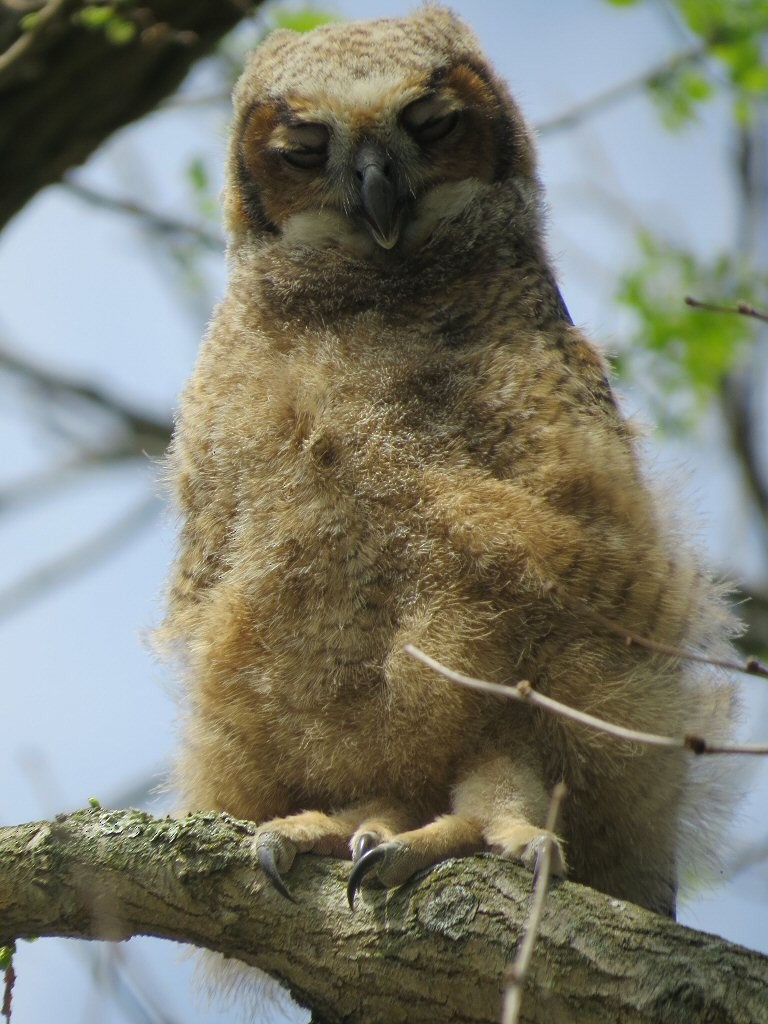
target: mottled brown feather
411 446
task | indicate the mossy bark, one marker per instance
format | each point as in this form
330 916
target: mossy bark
66 85
434 950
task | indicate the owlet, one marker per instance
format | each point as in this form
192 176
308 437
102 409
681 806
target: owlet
395 435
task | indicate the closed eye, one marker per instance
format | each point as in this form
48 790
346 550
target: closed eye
304 144
305 157
427 120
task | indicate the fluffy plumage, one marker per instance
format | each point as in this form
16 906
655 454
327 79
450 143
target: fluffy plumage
395 435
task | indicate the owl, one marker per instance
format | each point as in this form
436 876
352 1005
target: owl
395 435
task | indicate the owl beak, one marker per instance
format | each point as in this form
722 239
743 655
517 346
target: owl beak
379 200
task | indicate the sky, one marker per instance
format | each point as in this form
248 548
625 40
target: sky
86 710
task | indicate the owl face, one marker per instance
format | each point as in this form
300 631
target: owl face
370 159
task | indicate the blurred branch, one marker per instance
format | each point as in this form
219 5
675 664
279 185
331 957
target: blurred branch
155 221
97 547
67 85
146 434
738 402
742 308
40 485
581 111
754 613
433 950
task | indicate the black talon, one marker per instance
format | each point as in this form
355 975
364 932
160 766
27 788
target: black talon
362 868
364 843
266 856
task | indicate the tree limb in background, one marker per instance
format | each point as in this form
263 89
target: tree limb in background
68 81
158 222
145 433
621 90
432 951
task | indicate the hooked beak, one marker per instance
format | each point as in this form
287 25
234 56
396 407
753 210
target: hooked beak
380 203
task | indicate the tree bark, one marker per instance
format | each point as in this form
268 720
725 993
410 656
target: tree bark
434 950
67 83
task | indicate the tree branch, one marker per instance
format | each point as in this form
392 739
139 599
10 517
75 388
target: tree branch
433 950
66 85
145 434
621 90
158 222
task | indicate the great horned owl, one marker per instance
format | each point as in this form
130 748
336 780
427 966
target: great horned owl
395 434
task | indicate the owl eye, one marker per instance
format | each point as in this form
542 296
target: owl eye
427 122
305 145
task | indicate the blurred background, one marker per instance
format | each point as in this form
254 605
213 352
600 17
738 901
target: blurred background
653 128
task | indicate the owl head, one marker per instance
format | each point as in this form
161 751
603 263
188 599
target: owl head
366 136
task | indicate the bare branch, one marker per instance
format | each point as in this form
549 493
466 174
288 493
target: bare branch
517 972
526 694
152 219
750 667
620 91
9 982
741 308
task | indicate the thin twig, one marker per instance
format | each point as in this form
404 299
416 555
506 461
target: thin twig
97 547
517 972
751 667
741 308
158 222
524 692
583 110
9 982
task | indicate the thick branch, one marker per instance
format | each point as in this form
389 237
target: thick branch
65 86
434 950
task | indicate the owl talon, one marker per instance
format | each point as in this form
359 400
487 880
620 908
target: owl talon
268 864
363 867
364 843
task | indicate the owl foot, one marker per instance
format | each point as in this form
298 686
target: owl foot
525 844
373 860
354 832
271 849
392 861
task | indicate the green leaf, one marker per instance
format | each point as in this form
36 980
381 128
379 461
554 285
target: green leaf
302 19
28 22
678 356
6 956
120 31
94 17
198 175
